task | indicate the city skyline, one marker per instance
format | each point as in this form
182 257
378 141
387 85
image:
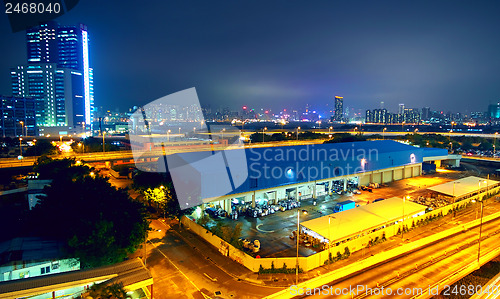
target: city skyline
354 52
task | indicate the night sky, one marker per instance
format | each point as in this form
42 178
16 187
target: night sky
285 54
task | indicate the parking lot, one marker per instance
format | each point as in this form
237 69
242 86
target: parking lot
274 230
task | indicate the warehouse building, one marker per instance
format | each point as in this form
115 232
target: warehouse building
271 174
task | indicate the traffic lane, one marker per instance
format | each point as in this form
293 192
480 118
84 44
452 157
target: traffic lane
205 274
168 281
387 271
448 267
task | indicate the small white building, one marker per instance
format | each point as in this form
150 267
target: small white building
29 257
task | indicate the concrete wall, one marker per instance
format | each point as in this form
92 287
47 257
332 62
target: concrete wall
356 243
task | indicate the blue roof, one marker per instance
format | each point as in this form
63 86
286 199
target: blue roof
434 152
212 174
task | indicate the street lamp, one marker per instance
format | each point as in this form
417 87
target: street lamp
298 237
494 145
20 146
480 232
168 136
103 142
263 133
223 133
23 126
80 144
329 130
383 133
298 129
329 237
403 222
297 261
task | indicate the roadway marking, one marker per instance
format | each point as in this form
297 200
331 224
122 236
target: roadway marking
212 279
168 259
264 231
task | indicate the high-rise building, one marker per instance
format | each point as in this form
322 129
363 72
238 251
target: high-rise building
57 75
426 113
18 117
57 92
411 115
401 109
339 109
377 116
494 111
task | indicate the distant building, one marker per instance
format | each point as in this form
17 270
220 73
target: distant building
411 115
426 113
401 109
377 116
494 111
57 75
339 109
18 117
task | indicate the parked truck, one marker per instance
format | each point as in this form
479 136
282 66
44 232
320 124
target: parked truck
344 206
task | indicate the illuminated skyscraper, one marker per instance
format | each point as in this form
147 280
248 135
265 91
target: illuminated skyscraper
339 109
57 75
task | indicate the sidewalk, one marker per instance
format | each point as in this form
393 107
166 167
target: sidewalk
238 271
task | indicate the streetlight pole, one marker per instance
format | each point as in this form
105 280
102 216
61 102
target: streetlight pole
168 136
383 133
298 128
480 232
263 133
223 133
403 222
329 238
494 145
22 127
103 142
297 261
20 146
330 130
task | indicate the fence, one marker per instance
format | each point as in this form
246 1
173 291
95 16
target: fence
316 260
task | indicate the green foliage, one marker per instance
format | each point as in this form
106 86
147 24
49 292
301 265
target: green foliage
203 220
104 291
273 270
40 148
347 252
228 233
346 137
144 180
49 168
99 223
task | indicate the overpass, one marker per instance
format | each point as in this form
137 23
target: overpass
127 156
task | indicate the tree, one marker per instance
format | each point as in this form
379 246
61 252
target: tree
49 168
158 195
41 147
105 291
99 223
